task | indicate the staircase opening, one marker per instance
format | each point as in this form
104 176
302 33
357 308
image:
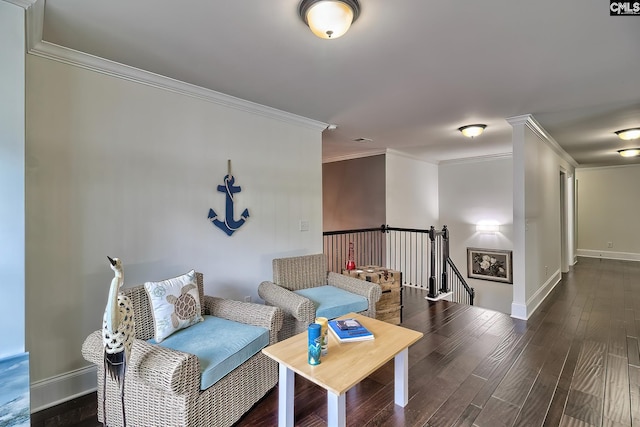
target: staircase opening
421 255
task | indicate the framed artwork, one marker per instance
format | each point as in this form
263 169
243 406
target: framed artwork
489 264
14 392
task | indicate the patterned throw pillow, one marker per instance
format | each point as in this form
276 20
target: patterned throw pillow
175 303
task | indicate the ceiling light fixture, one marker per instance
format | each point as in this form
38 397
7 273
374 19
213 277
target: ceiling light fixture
329 19
363 140
472 130
629 134
629 152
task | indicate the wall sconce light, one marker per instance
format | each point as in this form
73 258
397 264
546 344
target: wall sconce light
329 19
487 228
629 152
629 134
472 130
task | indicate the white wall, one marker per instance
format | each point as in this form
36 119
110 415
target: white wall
411 192
120 168
608 211
471 192
537 262
12 135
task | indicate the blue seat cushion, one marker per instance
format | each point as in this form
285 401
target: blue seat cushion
332 302
221 345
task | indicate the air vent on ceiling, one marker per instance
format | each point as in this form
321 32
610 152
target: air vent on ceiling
364 140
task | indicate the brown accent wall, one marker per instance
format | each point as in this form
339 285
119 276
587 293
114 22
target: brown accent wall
353 193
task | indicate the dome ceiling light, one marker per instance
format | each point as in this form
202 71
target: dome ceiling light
629 134
629 152
329 19
471 131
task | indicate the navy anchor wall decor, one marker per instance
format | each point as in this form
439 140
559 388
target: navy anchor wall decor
228 224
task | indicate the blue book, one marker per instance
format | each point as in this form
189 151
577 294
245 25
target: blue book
348 330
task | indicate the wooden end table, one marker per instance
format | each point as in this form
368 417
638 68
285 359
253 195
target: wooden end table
345 365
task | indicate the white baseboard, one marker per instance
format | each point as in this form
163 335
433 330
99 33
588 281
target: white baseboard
623 256
518 311
522 311
444 296
61 388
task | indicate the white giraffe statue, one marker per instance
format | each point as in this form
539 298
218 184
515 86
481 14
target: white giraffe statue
118 332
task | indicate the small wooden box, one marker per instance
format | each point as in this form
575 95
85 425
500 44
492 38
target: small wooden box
390 316
389 307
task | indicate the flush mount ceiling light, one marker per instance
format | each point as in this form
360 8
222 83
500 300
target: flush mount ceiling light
363 140
329 19
629 152
472 130
629 134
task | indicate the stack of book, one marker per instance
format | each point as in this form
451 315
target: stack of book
348 330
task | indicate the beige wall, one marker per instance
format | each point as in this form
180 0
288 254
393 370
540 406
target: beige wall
471 192
608 211
124 169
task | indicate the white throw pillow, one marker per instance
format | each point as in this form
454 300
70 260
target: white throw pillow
175 303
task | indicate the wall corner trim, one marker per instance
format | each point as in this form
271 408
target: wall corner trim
529 121
519 311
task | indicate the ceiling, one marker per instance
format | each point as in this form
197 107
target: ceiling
407 74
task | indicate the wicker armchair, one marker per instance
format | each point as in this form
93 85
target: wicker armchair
303 272
162 385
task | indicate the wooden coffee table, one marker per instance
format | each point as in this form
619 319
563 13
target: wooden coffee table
345 365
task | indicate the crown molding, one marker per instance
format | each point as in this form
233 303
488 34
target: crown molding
595 168
476 159
410 156
115 69
37 47
529 121
353 156
25 4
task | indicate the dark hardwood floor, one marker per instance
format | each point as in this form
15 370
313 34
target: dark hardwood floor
576 362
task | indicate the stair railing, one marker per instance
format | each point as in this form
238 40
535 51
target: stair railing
424 263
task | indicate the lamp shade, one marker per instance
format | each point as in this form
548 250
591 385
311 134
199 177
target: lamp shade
472 130
329 19
629 134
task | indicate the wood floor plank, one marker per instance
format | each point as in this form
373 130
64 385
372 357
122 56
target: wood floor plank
589 373
535 408
568 421
618 338
617 401
585 407
632 351
559 401
468 416
454 407
497 413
